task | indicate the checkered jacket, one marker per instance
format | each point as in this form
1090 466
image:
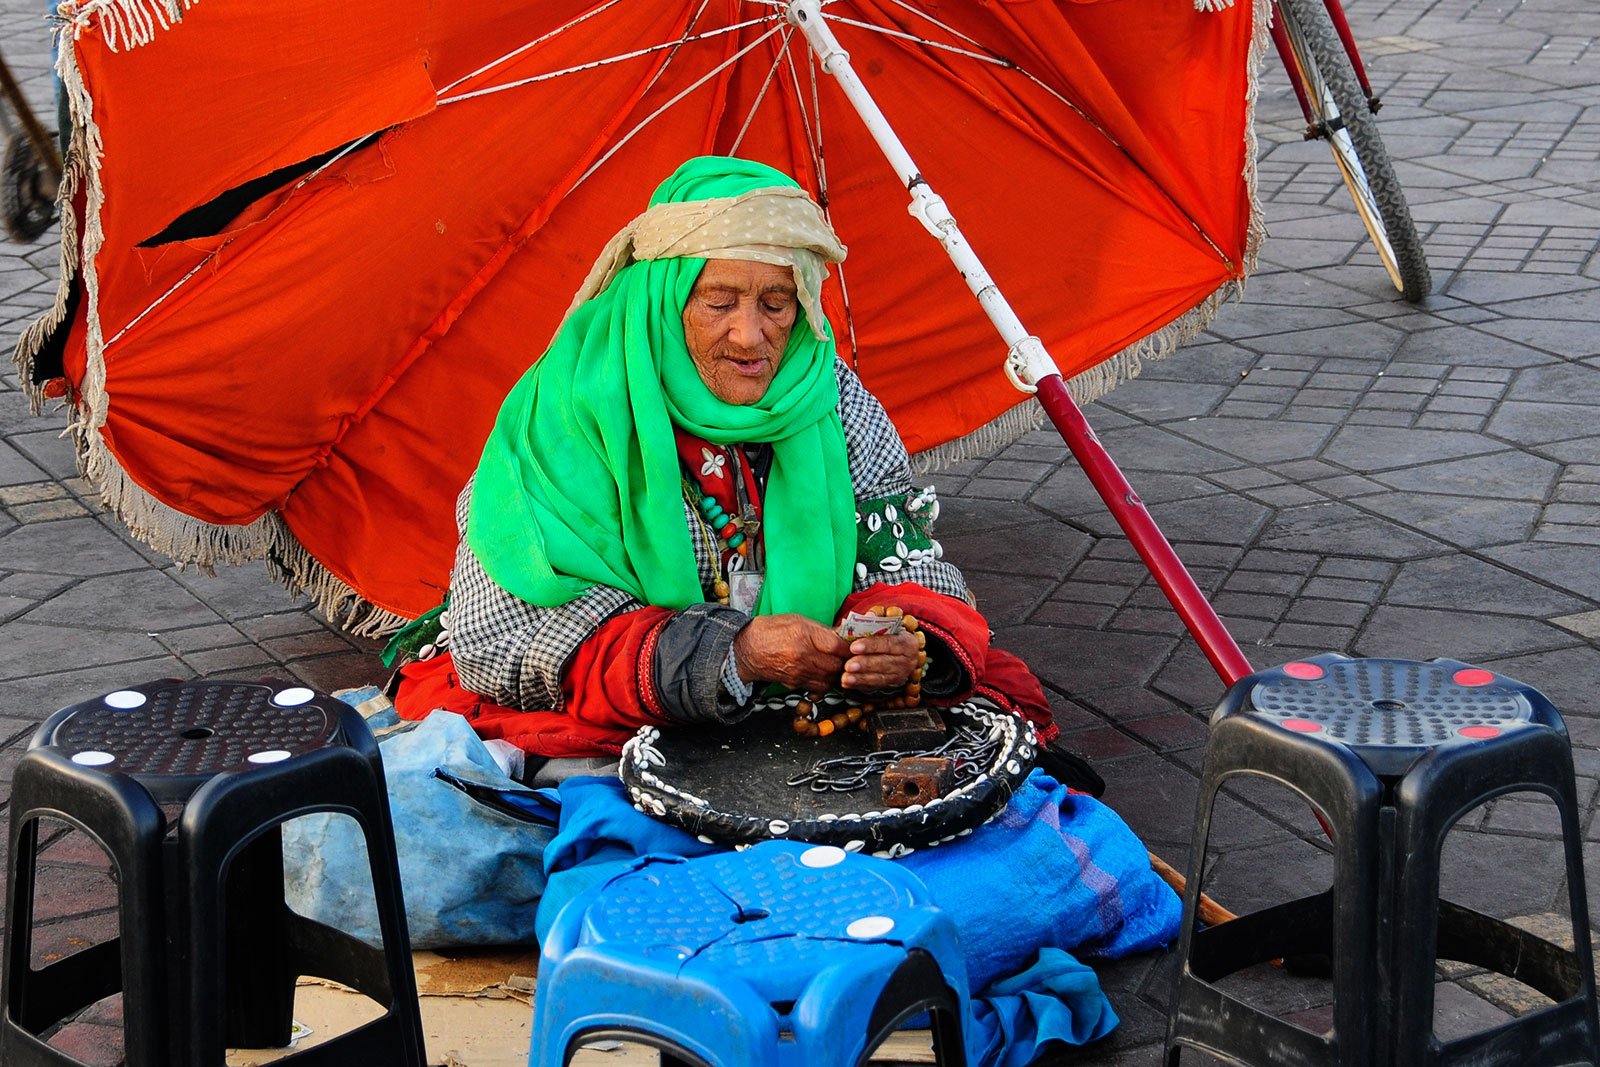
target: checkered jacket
514 653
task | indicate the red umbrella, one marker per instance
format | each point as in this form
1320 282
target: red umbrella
310 246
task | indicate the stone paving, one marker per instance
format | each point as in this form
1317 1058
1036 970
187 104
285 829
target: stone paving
1340 470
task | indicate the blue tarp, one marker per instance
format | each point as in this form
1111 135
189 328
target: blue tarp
1055 873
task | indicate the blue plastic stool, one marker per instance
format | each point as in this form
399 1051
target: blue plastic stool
782 953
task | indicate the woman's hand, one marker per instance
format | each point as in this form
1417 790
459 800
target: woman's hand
794 651
885 662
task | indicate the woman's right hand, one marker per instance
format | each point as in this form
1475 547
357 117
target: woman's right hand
792 650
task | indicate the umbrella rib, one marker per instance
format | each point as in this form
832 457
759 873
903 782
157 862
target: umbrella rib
158 300
713 72
608 61
903 35
814 142
1035 79
951 30
688 35
805 123
362 141
586 16
783 50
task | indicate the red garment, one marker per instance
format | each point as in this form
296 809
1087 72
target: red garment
608 692
609 687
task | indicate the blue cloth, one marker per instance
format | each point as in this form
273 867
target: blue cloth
470 874
1055 872
1055 1001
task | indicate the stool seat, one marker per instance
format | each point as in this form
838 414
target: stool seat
185 786
1389 712
782 953
1391 754
176 737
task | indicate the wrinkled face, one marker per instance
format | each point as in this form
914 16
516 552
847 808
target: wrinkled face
736 324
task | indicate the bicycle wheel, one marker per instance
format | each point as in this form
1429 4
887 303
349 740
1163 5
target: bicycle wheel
1341 111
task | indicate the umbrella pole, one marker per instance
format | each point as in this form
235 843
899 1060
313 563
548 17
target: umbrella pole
1031 370
1029 366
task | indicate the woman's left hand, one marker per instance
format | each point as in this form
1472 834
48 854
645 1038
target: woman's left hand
883 662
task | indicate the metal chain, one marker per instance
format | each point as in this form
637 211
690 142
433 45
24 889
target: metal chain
970 748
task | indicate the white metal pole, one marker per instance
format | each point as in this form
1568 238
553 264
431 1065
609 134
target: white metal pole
1026 358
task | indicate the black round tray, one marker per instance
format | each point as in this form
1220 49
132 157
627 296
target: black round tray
729 784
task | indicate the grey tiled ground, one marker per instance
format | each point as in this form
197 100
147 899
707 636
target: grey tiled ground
1340 470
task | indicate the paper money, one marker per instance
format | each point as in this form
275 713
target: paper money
859 624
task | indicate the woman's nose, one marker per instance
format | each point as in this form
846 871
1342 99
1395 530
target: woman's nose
744 329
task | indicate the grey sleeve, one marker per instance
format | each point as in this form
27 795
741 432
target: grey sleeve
511 651
693 656
879 467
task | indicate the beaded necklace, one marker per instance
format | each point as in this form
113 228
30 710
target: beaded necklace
721 484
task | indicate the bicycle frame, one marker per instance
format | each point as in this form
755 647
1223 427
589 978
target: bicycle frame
1280 41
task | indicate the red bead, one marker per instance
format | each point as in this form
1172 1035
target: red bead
729 530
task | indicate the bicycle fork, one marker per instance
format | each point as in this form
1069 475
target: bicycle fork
1280 40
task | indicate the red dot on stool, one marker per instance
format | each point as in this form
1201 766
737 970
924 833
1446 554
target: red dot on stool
1472 676
1479 731
1307 671
1305 726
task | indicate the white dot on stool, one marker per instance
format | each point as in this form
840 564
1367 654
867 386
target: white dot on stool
822 856
271 755
871 926
125 698
92 759
291 698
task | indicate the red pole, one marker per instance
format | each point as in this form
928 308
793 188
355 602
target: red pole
1280 41
1196 612
1341 25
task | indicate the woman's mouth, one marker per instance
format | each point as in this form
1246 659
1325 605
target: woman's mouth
751 366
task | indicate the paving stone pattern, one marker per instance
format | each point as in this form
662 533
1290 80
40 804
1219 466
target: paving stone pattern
1340 470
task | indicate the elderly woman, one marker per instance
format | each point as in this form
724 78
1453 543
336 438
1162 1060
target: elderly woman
685 493
678 503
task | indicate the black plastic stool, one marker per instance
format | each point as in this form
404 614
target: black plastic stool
1391 753
208 951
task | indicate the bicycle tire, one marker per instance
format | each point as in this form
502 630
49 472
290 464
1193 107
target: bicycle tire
1340 108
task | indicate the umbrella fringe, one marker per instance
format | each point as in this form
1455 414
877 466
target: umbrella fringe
39 332
187 540
130 23
193 542
1260 40
91 403
300 572
184 538
1088 386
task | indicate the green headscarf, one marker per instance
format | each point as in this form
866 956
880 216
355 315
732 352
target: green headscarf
579 483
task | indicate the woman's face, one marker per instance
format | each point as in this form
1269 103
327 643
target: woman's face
737 323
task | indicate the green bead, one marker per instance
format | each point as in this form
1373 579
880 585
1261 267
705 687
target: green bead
707 503
736 540
717 516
